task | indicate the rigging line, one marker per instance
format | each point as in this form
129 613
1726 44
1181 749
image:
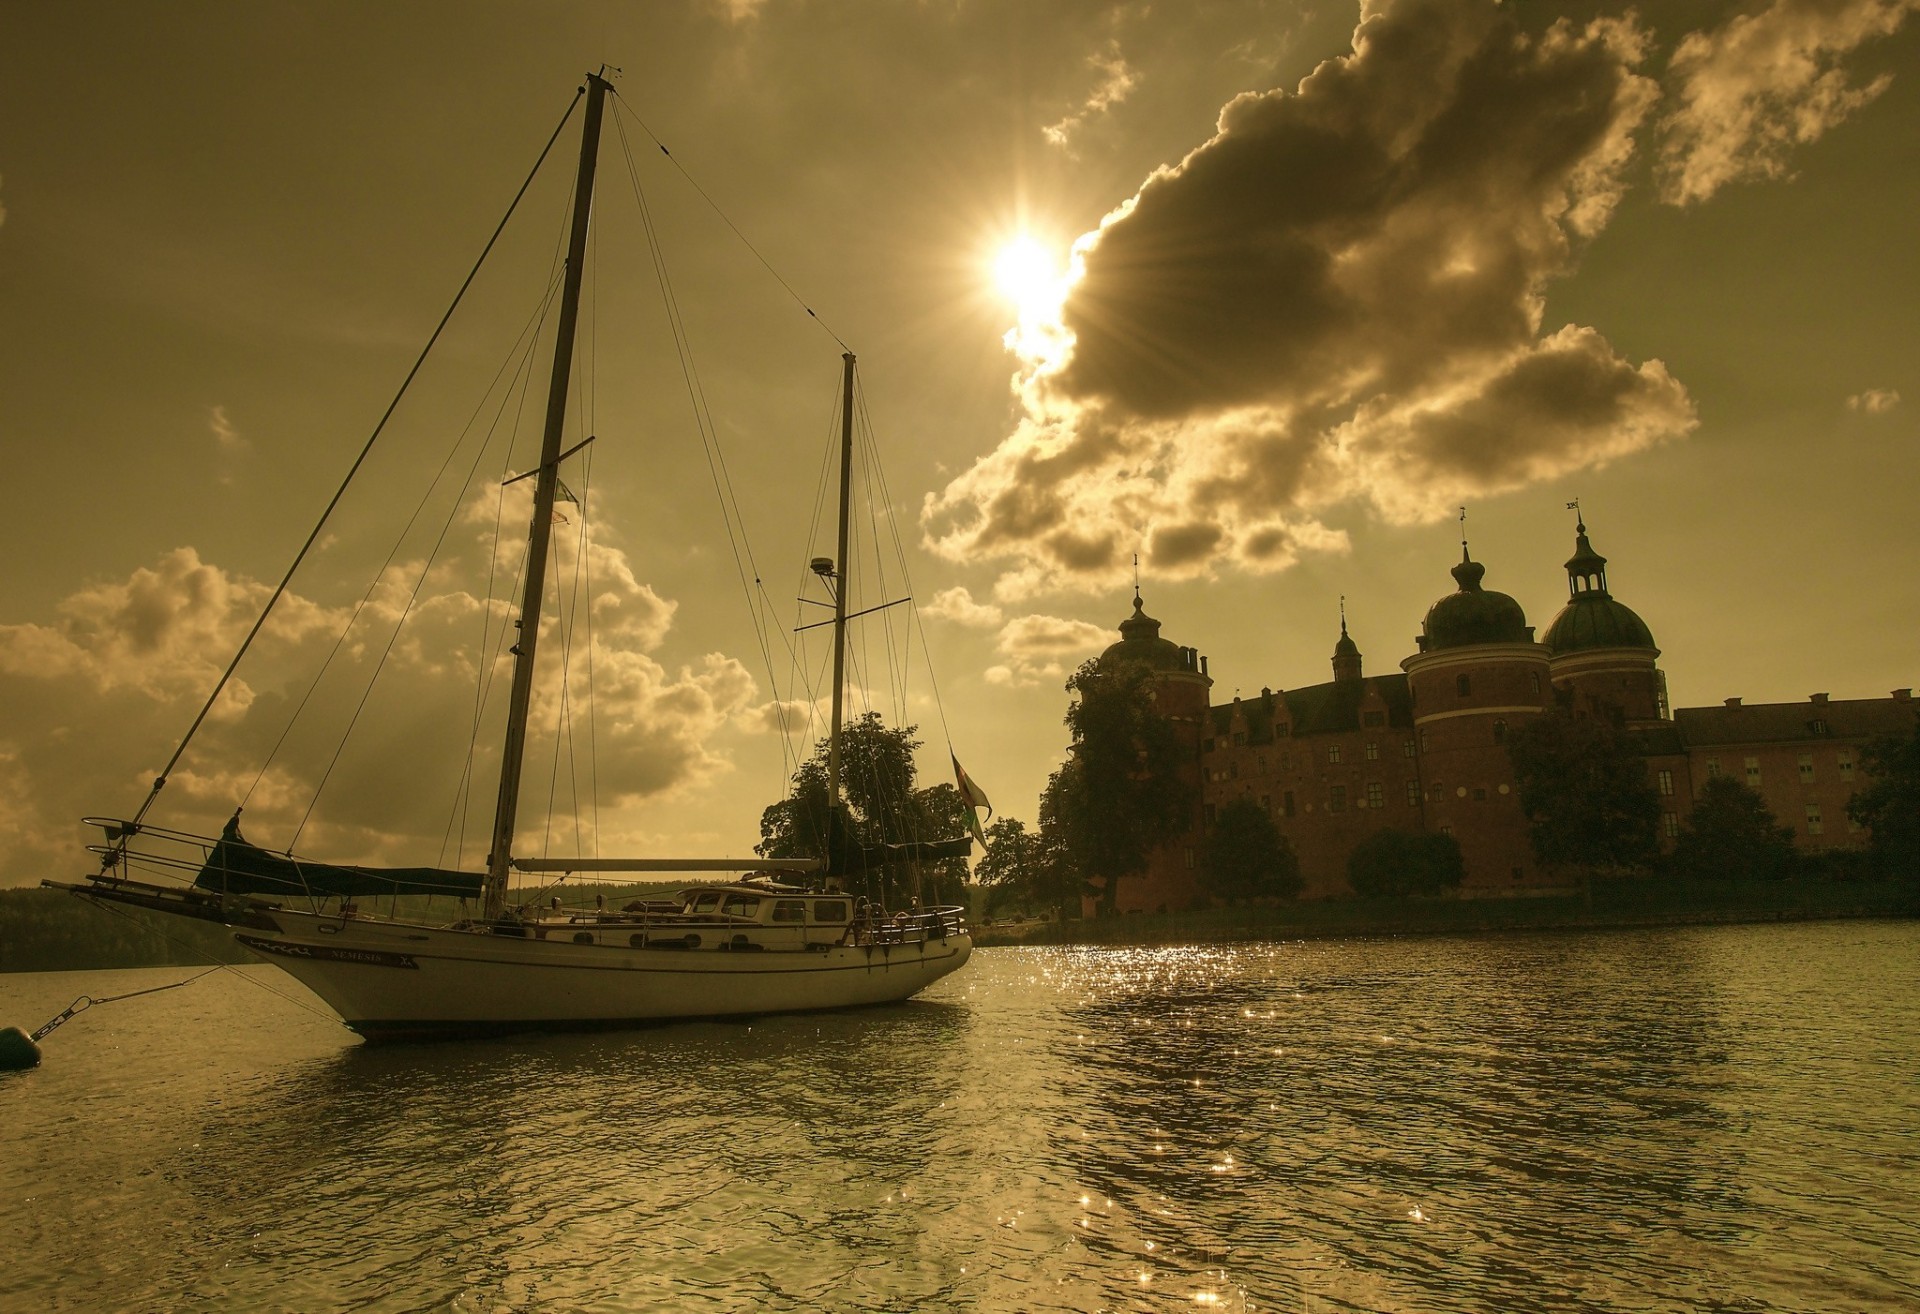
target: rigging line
200 953
620 103
161 781
352 620
485 657
703 420
593 705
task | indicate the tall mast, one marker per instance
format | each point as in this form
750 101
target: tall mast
513 752
840 603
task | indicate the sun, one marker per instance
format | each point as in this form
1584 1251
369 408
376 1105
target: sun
1029 276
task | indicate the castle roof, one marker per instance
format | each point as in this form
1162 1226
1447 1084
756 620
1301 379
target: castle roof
1760 723
1472 614
1318 709
1593 618
1140 641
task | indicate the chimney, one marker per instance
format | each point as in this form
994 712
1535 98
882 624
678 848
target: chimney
1733 702
1203 666
1818 698
1902 695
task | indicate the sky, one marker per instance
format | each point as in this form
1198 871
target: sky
1263 292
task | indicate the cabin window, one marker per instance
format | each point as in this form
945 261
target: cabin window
789 910
706 903
742 905
830 910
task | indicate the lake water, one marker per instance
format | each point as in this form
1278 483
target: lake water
1719 1118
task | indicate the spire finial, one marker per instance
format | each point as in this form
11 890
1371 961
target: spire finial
1579 520
1136 577
1464 554
1343 615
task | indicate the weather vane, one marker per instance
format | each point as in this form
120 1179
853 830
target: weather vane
1136 577
1579 520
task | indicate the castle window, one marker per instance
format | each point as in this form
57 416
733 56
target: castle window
1406 749
1191 863
1535 677
1814 824
1286 804
1239 737
1233 771
1373 752
1376 794
1207 747
1413 793
1446 830
1207 814
1266 803
1463 685
1373 718
1806 768
1282 730
1425 743
1333 752
1286 760
1666 783
1818 728
1753 773
1479 793
1337 800
1713 768
1846 764
1499 732
1671 820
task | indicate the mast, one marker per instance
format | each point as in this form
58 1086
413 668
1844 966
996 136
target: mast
513 753
840 604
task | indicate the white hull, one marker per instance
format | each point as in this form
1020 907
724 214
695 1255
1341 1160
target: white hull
393 979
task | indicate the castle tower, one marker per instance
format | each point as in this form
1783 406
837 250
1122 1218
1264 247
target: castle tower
1181 688
1603 654
1346 653
1478 675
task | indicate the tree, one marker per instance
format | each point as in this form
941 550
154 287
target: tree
1020 867
1584 788
1122 789
1399 863
1248 857
1731 836
880 806
1889 803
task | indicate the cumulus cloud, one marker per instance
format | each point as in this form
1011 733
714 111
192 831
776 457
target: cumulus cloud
1045 647
1336 300
1874 401
1749 91
99 694
957 605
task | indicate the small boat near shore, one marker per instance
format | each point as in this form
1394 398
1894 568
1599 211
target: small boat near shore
768 935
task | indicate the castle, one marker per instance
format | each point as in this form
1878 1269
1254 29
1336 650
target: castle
1424 749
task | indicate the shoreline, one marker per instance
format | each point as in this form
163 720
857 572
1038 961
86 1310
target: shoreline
1615 905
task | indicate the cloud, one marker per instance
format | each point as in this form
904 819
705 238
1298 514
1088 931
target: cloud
957 605
1117 81
1045 647
1336 301
99 694
1874 401
1761 84
224 433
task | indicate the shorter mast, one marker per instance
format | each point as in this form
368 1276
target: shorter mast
840 609
513 752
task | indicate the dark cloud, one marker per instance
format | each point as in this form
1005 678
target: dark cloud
1340 291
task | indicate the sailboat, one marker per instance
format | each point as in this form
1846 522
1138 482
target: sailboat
783 935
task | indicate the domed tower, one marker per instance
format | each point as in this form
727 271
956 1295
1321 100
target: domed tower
1602 653
1180 692
1477 676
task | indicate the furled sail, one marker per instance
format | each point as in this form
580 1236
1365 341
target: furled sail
238 867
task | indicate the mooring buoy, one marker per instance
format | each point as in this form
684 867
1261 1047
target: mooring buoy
17 1050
